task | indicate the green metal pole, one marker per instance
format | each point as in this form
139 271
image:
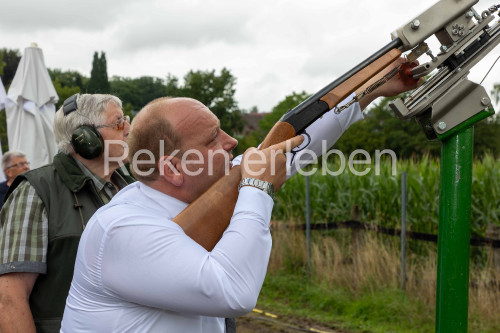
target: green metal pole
454 232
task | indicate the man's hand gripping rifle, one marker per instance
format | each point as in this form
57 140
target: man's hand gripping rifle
447 100
465 36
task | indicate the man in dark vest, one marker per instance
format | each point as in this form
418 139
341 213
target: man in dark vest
46 210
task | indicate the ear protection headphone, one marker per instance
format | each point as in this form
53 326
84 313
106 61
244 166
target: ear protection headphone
86 139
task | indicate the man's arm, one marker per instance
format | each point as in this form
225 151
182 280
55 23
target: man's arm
23 216
393 87
15 313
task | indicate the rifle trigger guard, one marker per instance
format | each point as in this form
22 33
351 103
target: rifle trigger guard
307 141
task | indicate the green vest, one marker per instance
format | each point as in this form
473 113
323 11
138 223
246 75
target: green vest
70 199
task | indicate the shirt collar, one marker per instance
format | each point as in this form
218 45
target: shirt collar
98 181
162 201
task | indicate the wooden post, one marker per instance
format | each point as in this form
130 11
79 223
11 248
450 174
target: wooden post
356 233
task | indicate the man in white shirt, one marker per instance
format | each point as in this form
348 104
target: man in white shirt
137 271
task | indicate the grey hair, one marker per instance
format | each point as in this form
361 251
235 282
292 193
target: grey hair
8 156
91 110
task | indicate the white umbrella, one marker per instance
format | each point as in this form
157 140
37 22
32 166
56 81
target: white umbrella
3 96
31 109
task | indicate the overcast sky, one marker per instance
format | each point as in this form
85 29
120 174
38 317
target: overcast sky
272 47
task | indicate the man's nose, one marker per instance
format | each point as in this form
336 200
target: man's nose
126 128
230 142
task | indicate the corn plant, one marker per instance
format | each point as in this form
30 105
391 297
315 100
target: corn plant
379 196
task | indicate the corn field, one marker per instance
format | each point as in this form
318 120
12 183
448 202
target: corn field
379 196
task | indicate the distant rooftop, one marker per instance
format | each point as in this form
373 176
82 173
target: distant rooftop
252 121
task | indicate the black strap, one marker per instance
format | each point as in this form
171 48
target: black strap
230 325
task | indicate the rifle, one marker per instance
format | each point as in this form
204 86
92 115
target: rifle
205 219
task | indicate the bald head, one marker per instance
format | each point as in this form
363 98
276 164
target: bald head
160 126
178 112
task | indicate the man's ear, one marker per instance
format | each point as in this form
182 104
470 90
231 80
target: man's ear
170 168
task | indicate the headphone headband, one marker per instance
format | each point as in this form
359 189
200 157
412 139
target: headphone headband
70 104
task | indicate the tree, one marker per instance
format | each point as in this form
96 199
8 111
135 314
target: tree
10 61
2 64
98 83
279 110
136 93
66 83
215 91
254 109
265 125
64 91
486 138
382 130
495 93
68 78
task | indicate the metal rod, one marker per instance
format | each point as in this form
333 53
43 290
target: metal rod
403 229
454 233
308 225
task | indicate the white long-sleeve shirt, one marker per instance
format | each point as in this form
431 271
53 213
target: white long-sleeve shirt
137 271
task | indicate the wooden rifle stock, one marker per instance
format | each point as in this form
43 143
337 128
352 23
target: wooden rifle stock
206 218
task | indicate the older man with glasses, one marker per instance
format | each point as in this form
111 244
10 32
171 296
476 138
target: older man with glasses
14 163
46 210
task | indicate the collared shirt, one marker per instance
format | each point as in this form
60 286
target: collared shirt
137 271
24 234
106 189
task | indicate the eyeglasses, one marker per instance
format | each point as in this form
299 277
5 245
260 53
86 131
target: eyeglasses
18 165
120 124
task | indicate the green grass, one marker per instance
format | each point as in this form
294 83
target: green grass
381 311
375 306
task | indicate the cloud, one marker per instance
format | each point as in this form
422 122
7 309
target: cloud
30 15
185 24
272 47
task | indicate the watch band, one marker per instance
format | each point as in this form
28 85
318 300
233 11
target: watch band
262 185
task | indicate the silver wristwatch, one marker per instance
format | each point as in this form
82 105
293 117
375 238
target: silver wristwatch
260 184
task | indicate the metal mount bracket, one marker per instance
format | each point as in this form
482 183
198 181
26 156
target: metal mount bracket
454 107
447 100
458 104
431 21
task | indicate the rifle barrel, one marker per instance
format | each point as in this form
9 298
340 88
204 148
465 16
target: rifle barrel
396 43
